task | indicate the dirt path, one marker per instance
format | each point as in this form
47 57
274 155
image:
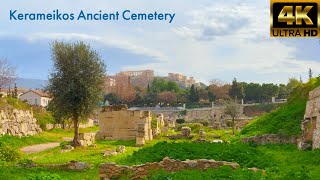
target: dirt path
39 147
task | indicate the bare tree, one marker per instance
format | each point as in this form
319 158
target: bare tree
167 97
233 109
7 73
219 88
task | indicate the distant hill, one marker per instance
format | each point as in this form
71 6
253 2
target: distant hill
30 83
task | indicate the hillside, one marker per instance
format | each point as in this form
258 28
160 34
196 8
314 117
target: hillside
287 119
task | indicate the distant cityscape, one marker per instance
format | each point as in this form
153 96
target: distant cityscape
143 78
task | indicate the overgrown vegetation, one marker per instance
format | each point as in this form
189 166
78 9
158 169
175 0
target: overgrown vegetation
287 119
13 103
224 172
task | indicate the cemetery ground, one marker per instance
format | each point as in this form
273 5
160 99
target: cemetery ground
277 161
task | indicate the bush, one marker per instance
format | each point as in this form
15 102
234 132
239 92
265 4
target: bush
195 127
243 154
43 117
43 176
204 123
223 172
9 154
180 121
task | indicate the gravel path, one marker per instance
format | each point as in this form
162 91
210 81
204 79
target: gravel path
39 147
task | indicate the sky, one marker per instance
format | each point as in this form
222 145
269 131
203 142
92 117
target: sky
207 40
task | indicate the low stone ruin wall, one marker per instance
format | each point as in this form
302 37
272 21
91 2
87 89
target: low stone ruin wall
18 123
111 170
271 139
89 123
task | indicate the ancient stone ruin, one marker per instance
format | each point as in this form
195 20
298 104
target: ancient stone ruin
113 171
270 139
118 123
18 123
310 126
87 139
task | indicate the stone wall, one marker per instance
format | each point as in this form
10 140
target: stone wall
18 123
204 113
117 123
310 126
112 171
87 139
89 123
270 139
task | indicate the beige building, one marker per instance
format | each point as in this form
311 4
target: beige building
36 97
181 79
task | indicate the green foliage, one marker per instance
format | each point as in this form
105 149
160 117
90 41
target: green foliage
236 91
112 98
13 103
76 78
154 122
204 123
160 85
243 154
43 118
180 121
8 153
194 94
224 172
43 176
287 119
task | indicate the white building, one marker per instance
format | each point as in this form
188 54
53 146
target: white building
36 97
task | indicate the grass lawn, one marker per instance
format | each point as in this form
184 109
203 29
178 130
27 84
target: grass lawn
280 161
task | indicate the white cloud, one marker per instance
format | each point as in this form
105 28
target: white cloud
208 39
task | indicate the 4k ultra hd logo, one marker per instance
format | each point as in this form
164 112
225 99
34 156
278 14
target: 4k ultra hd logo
295 18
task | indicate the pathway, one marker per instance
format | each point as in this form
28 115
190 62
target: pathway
39 147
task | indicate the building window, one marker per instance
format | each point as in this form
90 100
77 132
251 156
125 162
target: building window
36 101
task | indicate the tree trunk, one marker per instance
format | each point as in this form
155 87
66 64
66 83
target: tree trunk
76 141
232 125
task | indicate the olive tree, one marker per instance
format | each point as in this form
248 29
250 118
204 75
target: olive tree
233 109
76 81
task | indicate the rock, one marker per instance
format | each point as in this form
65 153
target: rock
186 131
68 147
80 166
121 149
110 153
217 141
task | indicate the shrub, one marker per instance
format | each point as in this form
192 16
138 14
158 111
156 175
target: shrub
9 154
43 176
180 121
243 154
224 172
204 123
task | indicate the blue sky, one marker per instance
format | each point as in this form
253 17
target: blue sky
207 39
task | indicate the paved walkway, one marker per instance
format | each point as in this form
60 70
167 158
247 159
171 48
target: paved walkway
39 147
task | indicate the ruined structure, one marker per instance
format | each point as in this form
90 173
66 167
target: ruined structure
271 139
310 126
113 171
18 123
118 123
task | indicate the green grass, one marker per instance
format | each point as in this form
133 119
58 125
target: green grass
12 103
224 172
287 119
55 135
